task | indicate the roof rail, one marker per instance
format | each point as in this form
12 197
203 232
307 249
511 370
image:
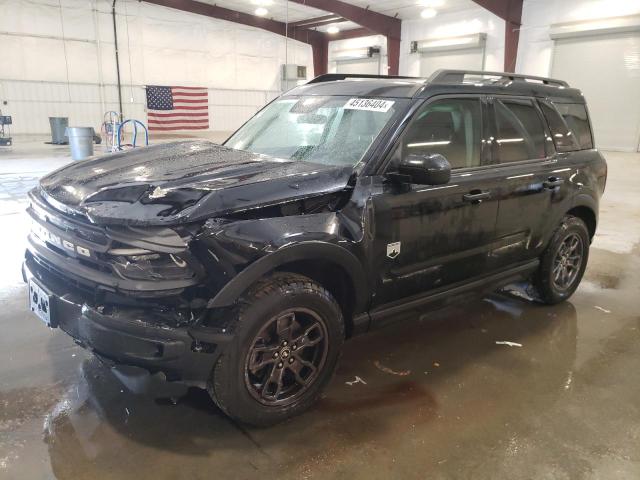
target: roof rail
457 76
330 77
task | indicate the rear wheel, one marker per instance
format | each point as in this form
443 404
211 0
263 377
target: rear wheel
289 333
564 261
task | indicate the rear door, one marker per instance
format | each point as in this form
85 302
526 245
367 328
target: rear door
533 180
429 237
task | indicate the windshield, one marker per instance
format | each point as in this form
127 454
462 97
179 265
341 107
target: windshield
331 130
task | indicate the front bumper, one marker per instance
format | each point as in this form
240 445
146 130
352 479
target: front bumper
142 351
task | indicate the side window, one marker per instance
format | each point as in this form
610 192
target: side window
562 135
520 134
450 127
575 115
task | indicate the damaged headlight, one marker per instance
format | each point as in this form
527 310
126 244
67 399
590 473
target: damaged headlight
139 264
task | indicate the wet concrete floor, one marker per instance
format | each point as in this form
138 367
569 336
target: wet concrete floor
434 397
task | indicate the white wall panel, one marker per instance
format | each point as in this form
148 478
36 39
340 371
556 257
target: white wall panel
32 103
357 43
605 73
464 59
157 46
369 66
455 24
535 49
607 70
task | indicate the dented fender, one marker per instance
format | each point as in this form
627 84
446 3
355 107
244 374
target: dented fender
244 251
313 250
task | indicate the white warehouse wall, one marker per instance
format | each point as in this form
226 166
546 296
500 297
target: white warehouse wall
535 48
158 46
454 24
356 43
464 22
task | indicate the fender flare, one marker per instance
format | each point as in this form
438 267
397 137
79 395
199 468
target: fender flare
586 200
310 250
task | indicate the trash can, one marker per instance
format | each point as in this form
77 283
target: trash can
80 141
58 127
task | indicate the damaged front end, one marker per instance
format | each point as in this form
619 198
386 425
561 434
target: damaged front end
136 297
139 294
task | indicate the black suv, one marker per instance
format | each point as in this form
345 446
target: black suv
242 268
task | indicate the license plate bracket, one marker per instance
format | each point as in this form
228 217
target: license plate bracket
41 303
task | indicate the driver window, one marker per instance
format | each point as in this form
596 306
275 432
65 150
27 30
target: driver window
450 127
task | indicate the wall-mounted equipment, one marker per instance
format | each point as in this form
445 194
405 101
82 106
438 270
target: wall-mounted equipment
365 60
5 135
292 75
294 72
355 54
477 40
598 26
465 52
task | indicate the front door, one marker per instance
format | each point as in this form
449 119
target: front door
428 237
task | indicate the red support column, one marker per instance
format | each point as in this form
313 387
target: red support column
393 55
511 39
320 48
511 12
371 23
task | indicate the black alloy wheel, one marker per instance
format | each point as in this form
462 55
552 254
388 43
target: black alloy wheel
288 332
564 261
286 356
567 262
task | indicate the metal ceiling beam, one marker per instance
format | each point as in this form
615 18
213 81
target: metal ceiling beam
376 23
317 40
317 22
511 12
353 33
222 13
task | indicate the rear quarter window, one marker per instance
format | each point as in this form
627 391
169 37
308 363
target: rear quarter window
520 131
562 136
576 118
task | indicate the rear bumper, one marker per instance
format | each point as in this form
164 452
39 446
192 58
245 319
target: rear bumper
142 351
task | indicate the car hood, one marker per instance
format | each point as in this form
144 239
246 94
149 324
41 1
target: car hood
183 182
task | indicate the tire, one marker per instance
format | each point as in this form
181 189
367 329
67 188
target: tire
289 331
554 287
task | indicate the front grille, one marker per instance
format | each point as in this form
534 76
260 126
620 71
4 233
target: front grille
77 225
54 276
79 254
68 237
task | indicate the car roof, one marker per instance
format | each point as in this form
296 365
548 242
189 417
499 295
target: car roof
441 82
397 87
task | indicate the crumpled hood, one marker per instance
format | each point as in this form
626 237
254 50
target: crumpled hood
182 182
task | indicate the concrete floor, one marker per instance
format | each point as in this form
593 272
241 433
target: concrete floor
564 405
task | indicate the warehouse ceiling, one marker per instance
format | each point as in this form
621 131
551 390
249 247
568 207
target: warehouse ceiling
294 12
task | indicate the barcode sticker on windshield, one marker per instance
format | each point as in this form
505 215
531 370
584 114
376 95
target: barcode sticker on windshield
370 104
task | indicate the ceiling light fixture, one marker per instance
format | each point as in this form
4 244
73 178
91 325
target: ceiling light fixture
428 13
261 11
333 30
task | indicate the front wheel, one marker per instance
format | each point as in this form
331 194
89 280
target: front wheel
289 332
563 263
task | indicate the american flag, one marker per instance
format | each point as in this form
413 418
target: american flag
177 108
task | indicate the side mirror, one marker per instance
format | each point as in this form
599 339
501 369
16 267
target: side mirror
426 169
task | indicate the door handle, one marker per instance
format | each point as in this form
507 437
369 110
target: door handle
476 196
553 182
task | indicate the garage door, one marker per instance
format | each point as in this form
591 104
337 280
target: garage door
607 70
369 66
464 59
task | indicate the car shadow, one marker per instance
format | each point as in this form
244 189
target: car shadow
388 382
